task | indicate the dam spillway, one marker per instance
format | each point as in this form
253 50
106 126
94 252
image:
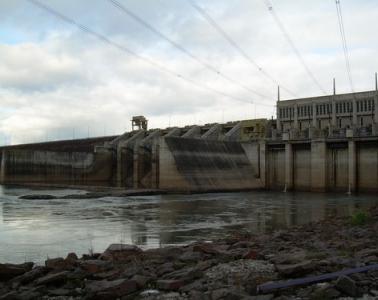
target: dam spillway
173 160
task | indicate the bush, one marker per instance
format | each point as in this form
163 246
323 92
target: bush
359 218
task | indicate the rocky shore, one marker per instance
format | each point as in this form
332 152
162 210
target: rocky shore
237 267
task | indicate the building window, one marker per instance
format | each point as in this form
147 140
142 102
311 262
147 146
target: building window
361 121
370 105
339 122
358 106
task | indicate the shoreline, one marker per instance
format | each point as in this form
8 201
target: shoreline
237 267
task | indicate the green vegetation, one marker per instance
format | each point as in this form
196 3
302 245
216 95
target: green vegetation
359 218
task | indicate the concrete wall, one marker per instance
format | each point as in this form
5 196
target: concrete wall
367 167
321 166
33 167
275 167
196 165
302 167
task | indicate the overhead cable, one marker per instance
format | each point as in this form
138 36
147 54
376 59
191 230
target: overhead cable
344 43
243 53
126 50
208 66
279 23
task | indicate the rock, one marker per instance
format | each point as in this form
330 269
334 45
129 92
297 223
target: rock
111 289
72 257
9 271
58 264
250 254
59 292
190 256
169 285
30 276
206 248
367 252
242 244
234 272
120 252
141 281
295 270
109 275
260 297
165 268
227 293
95 266
37 197
167 253
53 278
293 257
347 286
10 296
187 274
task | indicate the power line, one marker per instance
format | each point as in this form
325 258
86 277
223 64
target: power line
344 43
181 48
132 53
269 4
247 57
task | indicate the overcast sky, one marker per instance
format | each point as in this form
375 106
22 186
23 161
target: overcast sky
57 82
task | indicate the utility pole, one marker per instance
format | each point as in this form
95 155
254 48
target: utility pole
278 94
334 86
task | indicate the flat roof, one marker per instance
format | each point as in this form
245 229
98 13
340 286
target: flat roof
346 95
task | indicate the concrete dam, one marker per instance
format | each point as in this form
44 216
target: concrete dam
187 160
312 146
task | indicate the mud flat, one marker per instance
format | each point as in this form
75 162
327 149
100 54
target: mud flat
333 259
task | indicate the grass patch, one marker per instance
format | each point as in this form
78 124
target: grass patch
359 218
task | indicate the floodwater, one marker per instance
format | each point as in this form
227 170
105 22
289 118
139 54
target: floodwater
32 230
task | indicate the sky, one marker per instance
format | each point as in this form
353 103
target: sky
59 82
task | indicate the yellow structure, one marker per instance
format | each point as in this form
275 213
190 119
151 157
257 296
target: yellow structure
253 129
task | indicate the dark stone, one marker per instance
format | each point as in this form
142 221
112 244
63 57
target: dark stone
295 270
13 295
59 292
169 285
187 274
167 253
58 264
53 278
115 288
30 276
206 248
95 266
347 286
120 252
9 271
227 293
165 268
190 256
141 281
38 197
72 257
241 244
250 254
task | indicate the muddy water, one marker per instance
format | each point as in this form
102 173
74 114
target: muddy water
32 230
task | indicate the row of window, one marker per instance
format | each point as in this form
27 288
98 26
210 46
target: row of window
366 105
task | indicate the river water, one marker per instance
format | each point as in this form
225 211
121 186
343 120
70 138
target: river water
32 230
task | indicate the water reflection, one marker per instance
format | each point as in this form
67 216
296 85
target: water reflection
35 229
